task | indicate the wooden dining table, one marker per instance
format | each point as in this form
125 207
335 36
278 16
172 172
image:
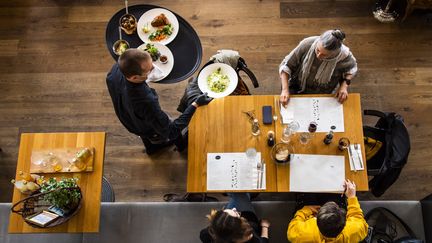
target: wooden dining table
90 182
222 127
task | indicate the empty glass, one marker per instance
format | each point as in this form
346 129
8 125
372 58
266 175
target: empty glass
290 129
251 153
305 137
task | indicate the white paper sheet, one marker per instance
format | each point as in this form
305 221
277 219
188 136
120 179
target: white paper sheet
317 173
356 157
326 112
233 171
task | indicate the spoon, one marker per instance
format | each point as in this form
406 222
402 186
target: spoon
120 34
126 4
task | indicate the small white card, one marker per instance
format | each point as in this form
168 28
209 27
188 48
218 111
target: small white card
355 158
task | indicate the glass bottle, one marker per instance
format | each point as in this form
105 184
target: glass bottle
329 137
286 134
255 127
80 161
270 139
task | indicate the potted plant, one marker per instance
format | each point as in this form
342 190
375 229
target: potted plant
64 196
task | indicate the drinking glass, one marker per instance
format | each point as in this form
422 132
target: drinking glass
305 137
289 130
251 153
343 143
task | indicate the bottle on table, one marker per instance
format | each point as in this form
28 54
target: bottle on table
255 127
80 160
270 139
329 137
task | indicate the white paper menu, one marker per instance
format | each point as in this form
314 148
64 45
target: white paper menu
234 171
325 111
317 173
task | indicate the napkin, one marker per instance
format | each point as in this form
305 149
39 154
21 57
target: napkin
355 157
155 75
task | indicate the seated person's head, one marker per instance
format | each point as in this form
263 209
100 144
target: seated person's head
135 65
331 219
329 44
228 226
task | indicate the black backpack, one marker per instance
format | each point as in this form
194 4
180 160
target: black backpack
387 227
388 162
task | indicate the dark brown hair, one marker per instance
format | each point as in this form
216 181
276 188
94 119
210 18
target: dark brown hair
331 219
130 62
225 228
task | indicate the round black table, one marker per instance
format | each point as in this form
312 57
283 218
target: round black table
186 47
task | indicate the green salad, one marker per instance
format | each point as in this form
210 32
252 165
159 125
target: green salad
217 81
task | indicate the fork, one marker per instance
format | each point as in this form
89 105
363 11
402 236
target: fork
356 147
259 170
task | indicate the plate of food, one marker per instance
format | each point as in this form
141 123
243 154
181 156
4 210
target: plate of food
218 80
158 25
162 57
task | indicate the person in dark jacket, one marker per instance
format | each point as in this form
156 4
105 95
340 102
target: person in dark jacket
137 105
230 225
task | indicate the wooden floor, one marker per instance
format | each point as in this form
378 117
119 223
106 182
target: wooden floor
53 63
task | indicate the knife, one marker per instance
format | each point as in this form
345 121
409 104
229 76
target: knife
262 174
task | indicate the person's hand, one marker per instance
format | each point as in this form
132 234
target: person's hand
265 223
342 93
284 97
314 209
350 188
202 100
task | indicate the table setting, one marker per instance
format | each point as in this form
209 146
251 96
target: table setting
296 151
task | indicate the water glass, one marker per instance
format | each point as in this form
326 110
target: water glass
251 153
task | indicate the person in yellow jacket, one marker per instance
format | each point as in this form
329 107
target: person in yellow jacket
330 223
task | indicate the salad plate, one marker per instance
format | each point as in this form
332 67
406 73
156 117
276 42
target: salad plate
166 29
218 80
167 67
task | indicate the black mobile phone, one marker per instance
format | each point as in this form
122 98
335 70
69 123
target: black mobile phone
267 114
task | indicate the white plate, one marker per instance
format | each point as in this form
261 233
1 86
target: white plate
147 18
226 69
167 67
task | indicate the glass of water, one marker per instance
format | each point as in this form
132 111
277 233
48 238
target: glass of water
305 137
251 153
289 130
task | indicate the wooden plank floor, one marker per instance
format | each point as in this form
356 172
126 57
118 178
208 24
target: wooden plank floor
53 63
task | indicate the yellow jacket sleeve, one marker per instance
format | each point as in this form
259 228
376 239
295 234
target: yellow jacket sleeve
299 228
356 227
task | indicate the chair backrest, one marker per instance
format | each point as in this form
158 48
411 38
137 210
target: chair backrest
233 59
107 191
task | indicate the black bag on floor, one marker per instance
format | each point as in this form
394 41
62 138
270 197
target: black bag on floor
386 227
387 163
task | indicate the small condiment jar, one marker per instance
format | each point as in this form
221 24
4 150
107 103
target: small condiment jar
270 139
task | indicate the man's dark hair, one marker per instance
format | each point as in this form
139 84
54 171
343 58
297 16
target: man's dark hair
130 62
331 219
